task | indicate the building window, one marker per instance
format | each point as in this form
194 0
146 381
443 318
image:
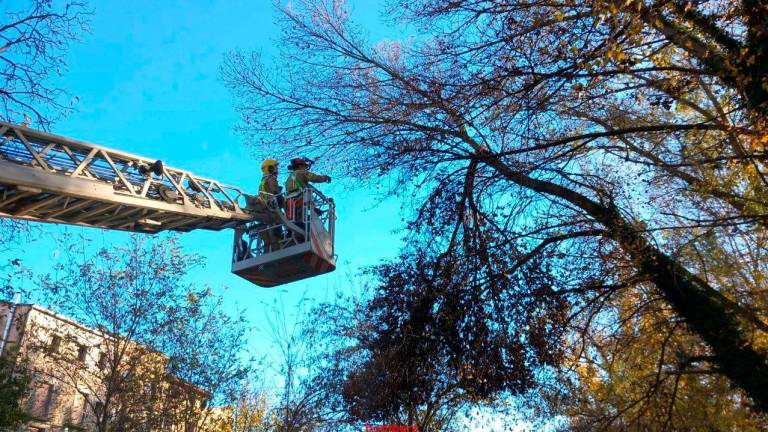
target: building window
82 352
77 412
102 361
55 344
98 408
50 403
43 400
40 399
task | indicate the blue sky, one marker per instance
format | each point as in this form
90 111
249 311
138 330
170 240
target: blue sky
147 82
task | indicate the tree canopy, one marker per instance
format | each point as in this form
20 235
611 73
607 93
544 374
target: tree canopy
561 158
168 353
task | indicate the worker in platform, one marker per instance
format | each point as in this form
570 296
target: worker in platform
268 186
264 210
300 176
298 180
269 189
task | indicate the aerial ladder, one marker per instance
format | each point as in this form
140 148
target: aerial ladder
50 178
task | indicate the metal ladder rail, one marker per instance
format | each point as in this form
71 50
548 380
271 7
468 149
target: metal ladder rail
51 178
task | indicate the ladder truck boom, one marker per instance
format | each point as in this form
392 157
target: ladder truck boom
51 178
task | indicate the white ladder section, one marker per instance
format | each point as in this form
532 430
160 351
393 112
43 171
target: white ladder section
50 178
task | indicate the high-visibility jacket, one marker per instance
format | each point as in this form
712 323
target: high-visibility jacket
269 185
300 178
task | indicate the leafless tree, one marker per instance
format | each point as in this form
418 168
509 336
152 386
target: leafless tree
34 38
300 406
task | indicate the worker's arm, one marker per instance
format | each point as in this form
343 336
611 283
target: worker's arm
315 178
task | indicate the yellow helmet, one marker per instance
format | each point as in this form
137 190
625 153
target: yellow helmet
269 166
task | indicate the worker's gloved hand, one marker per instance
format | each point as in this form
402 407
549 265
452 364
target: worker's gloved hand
327 179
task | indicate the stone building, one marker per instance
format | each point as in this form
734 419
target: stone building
70 365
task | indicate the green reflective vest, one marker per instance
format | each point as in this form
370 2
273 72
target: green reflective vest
265 187
293 183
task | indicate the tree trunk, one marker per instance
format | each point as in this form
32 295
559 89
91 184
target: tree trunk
721 323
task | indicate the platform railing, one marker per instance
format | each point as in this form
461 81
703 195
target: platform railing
292 226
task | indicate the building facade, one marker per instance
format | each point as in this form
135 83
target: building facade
76 371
